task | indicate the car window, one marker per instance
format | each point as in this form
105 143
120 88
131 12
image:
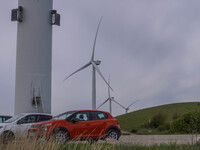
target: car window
63 116
28 119
99 115
43 118
82 116
15 118
1 119
5 118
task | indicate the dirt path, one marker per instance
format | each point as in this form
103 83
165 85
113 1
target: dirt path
158 139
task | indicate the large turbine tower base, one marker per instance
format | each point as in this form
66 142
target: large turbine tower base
34 55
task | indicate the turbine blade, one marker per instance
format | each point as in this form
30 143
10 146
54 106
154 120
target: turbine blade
85 66
95 39
132 103
118 103
97 69
103 103
108 86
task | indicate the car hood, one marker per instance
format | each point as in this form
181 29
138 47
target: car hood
40 124
4 124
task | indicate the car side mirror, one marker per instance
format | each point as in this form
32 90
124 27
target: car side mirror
74 120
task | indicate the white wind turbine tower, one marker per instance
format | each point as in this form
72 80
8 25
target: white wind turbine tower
94 69
110 99
34 55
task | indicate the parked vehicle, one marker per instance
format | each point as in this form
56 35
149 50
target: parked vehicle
81 124
4 118
19 124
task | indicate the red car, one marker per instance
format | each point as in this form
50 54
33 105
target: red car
81 124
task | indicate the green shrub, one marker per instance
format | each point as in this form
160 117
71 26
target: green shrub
145 125
188 123
134 131
157 120
164 127
175 116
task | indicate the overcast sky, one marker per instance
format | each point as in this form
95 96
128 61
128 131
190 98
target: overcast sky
151 49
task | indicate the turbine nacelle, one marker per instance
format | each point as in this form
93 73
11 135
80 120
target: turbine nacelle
97 62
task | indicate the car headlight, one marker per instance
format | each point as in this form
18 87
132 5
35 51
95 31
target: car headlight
43 129
44 126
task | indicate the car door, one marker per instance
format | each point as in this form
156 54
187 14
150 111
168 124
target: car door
81 128
24 124
98 123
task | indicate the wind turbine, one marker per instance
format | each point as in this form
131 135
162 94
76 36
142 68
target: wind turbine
110 99
127 108
94 69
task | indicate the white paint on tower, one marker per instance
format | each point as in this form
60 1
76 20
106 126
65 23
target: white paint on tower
34 57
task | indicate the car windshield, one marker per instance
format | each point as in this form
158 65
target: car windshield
14 118
63 116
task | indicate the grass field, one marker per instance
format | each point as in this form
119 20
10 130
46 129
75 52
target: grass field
130 147
134 120
33 144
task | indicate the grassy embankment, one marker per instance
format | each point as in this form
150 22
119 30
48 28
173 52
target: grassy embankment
134 120
44 145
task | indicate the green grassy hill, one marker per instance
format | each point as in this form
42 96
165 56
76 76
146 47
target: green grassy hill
134 120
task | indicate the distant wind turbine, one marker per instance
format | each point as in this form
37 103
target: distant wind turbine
127 108
110 99
94 69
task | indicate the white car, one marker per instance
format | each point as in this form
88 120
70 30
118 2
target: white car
17 126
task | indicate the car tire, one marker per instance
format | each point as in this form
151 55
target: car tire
7 137
113 134
61 136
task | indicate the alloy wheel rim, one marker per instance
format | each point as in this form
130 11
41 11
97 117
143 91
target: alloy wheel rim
113 135
60 137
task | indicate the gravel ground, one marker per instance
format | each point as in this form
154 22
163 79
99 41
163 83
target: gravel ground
158 139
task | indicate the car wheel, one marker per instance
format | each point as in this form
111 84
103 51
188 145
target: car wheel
61 136
7 137
113 134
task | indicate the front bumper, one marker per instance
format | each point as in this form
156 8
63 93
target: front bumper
32 133
37 133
